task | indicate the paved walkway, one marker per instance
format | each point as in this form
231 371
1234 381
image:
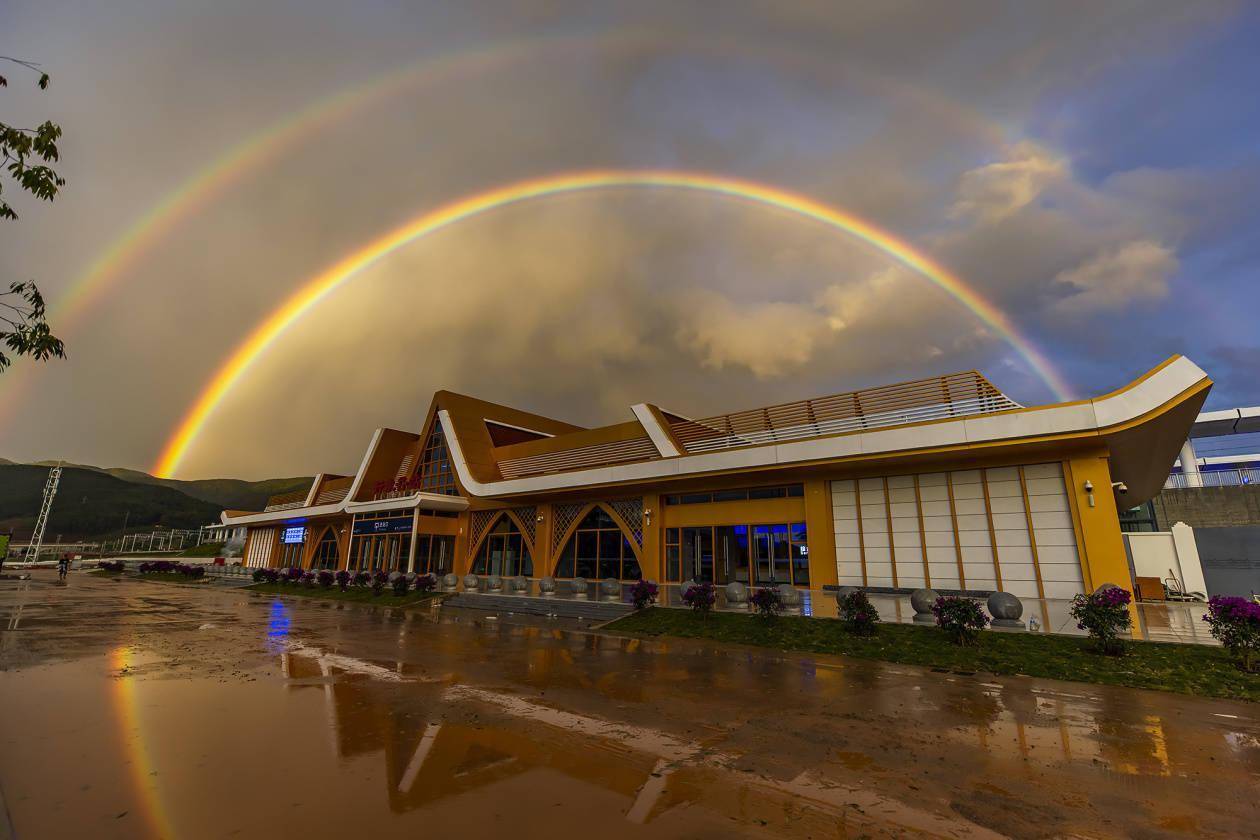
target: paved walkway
134 709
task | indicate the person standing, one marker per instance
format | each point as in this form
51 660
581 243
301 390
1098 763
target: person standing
63 566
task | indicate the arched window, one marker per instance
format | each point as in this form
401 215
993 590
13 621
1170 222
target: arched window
598 549
326 554
504 552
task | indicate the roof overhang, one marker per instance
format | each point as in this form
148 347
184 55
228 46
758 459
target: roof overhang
423 501
1142 425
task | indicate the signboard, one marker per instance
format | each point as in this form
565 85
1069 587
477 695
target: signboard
294 535
393 525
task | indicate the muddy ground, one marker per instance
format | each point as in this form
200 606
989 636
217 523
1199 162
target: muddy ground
134 709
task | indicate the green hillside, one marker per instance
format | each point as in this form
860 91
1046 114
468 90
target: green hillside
230 493
91 503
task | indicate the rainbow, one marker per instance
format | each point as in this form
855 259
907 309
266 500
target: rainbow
143 774
318 287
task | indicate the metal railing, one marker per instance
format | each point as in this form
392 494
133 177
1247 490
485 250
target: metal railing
284 501
597 455
1213 478
939 398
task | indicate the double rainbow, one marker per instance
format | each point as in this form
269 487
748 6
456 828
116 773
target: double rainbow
319 286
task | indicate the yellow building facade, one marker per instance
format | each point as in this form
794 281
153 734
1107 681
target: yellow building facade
942 482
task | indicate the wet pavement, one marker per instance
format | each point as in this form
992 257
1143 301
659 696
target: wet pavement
135 709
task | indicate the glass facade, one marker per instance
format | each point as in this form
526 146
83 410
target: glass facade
771 554
598 549
434 472
504 552
326 555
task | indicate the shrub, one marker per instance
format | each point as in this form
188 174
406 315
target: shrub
362 578
259 575
379 581
643 594
343 579
1103 615
700 598
308 578
960 618
271 575
857 614
1235 623
293 574
326 579
426 583
112 566
767 602
400 585
196 572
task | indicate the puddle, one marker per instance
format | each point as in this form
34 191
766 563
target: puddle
131 711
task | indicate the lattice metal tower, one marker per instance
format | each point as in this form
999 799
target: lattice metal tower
50 490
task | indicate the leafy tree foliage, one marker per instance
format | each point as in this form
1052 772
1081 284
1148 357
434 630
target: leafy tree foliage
25 157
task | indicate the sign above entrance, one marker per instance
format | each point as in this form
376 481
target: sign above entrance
294 535
392 525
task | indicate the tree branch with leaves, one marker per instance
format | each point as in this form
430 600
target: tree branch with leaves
26 155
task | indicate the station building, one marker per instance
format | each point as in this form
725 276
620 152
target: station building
943 482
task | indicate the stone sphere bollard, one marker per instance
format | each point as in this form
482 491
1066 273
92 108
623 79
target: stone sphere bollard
686 586
789 595
1006 610
494 583
922 601
1105 586
610 588
579 587
736 594
520 584
547 586
393 576
844 592
471 583
411 579
450 582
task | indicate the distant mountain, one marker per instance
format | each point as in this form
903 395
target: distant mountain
92 503
229 493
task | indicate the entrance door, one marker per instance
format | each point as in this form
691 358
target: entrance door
731 548
697 554
772 554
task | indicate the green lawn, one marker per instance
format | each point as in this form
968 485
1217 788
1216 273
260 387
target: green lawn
1188 669
355 594
204 550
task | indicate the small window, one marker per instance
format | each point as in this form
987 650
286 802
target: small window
730 495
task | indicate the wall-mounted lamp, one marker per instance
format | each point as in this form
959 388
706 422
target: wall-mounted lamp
1089 491
647 515
540 518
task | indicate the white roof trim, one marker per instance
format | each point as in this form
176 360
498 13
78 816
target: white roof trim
310 496
1093 416
281 515
428 501
660 438
514 426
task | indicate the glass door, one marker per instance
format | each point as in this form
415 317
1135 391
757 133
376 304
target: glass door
697 554
772 554
731 546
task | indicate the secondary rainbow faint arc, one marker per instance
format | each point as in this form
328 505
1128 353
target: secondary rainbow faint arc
315 289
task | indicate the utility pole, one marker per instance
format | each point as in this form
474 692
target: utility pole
37 538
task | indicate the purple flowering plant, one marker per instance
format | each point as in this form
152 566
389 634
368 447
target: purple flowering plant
858 615
379 581
362 578
400 585
701 598
1235 623
962 619
767 601
343 580
643 594
426 583
1104 615
325 579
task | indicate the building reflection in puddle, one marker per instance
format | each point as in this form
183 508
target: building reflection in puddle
442 737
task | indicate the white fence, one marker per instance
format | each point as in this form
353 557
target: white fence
1214 478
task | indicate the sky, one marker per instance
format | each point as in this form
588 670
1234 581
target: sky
1089 168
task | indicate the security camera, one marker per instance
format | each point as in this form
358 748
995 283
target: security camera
1120 487
1089 486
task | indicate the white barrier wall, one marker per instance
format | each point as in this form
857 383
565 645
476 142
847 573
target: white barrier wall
1006 528
1162 554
